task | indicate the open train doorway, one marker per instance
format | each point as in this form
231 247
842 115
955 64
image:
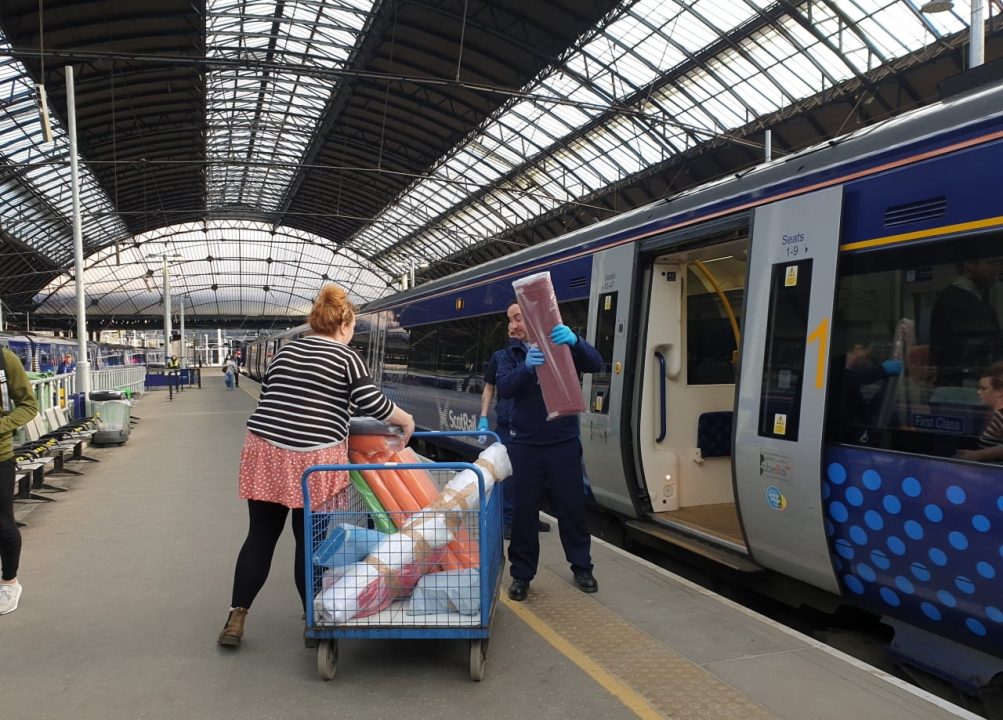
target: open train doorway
687 395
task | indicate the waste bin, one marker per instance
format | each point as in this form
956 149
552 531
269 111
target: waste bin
114 416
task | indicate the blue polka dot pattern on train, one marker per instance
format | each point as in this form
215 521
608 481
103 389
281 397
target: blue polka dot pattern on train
872 481
911 487
892 504
956 495
918 539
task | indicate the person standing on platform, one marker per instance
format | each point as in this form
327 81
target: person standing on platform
174 363
229 373
546 457
17 407
503 408
67 365
311 388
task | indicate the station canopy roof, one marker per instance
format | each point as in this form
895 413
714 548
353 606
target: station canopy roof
264 147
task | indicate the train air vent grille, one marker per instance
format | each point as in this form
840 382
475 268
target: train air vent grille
915 212
580 281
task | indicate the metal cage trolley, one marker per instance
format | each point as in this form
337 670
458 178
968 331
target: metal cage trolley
377 570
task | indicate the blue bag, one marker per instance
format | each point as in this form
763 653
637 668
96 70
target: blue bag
345 545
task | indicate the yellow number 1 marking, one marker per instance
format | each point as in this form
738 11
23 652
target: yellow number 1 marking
821 334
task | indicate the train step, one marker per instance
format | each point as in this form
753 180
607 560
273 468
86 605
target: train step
694 545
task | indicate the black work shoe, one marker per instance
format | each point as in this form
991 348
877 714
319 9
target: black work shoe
518 589
542 526
585 582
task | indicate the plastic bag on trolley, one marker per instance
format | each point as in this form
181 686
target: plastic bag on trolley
391 571
562 393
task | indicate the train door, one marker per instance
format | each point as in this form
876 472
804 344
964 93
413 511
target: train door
781 408
686 393
602 422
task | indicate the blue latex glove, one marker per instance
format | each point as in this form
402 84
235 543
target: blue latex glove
892 368
535 358
562 335
482 424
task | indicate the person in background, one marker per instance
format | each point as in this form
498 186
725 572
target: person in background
502 409
546 457
301 420
67 365
229 373
965 333
991 440
174 363
17 407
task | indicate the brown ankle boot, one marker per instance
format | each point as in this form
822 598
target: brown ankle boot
233 631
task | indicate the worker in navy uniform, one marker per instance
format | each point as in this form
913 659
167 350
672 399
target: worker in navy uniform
502 410
546 457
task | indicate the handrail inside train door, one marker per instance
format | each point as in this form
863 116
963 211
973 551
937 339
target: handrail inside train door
661 395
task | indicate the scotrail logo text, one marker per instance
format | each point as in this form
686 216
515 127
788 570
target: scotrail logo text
449 420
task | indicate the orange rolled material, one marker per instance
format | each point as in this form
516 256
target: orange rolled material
462 552
374 479
419 482
367 444
402 497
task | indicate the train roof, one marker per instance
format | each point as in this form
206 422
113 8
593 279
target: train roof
885 138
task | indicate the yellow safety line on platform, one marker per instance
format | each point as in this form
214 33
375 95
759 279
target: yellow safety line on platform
633 700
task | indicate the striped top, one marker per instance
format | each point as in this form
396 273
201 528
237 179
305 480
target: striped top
993 434
312 387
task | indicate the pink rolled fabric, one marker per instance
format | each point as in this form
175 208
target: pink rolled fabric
562 394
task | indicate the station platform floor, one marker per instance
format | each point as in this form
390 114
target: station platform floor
127 581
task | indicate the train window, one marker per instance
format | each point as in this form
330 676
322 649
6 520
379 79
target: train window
786 337
424 345
714 295
917 330
605 337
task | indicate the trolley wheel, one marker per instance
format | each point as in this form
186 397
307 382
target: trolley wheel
327 658
478 656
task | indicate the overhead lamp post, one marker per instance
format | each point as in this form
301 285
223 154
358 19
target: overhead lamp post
83 364
167 298
976 27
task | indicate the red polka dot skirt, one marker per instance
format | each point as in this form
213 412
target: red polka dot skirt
273 474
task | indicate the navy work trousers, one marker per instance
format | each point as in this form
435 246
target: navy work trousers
508 491
556 470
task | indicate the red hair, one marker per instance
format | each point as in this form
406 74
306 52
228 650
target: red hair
331 310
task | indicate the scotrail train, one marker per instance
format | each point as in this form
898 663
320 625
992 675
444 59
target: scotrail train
792 370
44 353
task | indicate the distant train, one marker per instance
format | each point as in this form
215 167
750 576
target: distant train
44 353
793 361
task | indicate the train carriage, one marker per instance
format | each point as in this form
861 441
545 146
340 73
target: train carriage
787 380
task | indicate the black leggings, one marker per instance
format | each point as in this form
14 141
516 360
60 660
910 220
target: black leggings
266 521
10 536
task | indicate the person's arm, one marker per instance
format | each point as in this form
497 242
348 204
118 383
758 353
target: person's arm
587 359
21 394
991 454
404 420
514 376
487 395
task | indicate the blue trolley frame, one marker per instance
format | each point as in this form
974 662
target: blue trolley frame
489 544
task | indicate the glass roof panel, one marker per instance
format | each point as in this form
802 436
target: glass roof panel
36 205
261 122
221 268
650 40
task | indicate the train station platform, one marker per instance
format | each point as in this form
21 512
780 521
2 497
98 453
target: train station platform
127 582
